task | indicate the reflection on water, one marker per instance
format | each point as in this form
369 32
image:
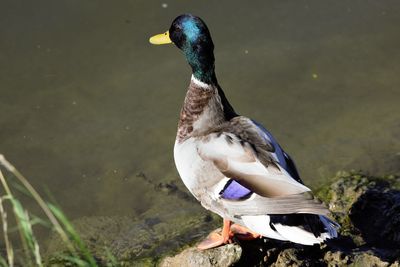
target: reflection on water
87 103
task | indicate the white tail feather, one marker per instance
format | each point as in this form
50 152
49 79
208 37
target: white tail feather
299 235
260 224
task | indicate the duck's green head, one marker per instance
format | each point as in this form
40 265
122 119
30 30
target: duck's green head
190 34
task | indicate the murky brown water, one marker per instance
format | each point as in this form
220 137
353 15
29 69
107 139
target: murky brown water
86 102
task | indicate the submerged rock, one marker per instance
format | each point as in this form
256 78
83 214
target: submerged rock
140 240
130 240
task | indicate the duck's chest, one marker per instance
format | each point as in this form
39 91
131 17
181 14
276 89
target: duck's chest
201 111
201 177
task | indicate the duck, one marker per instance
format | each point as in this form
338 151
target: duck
232 164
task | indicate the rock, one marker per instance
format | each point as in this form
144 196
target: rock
365 259
219 257
336 258
290 257
355 197
383 207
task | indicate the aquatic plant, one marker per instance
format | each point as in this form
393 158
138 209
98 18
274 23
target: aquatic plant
77 252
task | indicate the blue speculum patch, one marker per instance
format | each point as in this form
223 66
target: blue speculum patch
235 191
191 29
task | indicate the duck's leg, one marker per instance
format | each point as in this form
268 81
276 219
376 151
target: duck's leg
215 239
243 233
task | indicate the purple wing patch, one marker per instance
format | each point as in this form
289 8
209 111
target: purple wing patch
235 191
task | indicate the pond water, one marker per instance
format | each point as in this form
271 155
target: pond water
88 105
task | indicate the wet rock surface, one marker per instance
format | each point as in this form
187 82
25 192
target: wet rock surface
367 208
222 256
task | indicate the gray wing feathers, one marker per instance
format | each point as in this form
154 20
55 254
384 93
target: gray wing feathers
241 153
299 203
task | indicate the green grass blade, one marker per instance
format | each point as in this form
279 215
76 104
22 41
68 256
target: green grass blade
78 262
26 230
3 262
111 260
73 234
38 199
9 249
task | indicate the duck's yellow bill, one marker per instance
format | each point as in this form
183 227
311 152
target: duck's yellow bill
159 39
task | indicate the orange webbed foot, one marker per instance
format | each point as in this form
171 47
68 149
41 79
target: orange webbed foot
243 233
229 231
215 239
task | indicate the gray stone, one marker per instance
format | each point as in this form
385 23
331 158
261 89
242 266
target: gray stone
218 257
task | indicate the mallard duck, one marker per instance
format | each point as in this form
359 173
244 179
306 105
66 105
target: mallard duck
232 164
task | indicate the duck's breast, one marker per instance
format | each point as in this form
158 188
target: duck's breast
201 177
